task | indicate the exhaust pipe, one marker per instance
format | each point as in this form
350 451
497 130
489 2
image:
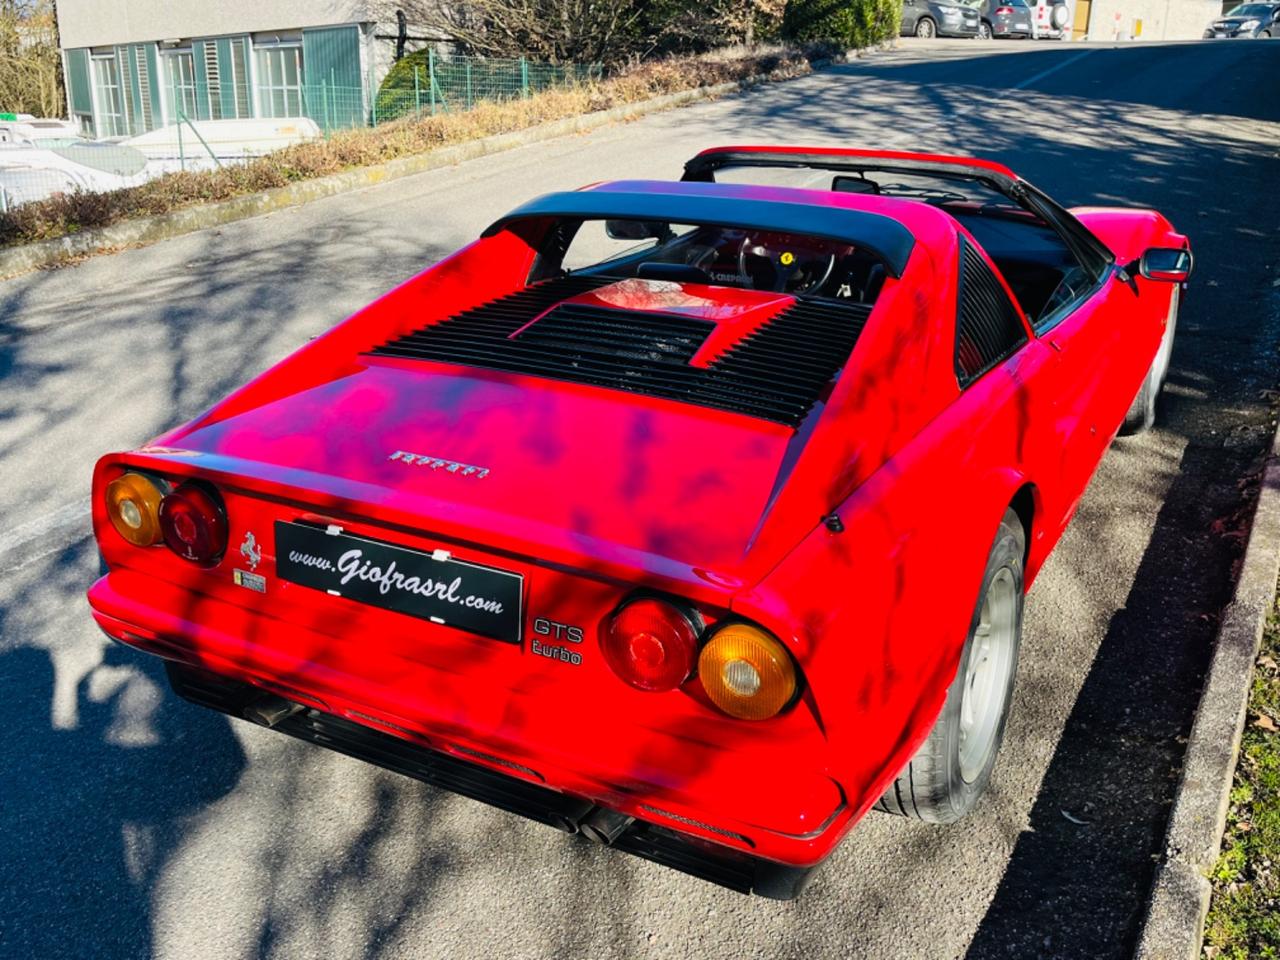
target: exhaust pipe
604 826
271 710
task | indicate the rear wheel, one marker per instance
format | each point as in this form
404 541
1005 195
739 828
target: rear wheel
984 31
1142 412
953 766
925 28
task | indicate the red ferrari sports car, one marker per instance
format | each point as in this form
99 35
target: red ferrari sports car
694 517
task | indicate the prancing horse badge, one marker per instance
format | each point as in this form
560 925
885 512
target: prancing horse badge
250 550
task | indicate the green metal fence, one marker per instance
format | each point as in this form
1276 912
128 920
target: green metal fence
431 84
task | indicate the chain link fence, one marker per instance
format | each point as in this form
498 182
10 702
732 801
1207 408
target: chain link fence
442 84
425 85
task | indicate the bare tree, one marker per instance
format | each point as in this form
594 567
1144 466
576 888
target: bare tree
30 65
678 26
558 31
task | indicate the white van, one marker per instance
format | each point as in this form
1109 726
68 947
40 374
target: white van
1050 19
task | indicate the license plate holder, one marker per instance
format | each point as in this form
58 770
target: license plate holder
431 586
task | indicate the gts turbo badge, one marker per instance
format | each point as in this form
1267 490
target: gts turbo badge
437 463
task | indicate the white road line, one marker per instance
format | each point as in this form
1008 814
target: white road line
59 522
1054 69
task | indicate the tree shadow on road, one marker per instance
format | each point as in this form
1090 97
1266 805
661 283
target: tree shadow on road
85 823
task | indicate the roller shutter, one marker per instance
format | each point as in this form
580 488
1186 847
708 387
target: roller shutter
78 81
333 93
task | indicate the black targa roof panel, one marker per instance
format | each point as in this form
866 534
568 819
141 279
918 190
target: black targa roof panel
726 206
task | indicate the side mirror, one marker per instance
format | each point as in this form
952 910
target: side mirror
635 229
1166 263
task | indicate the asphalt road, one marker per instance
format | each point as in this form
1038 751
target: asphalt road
132 824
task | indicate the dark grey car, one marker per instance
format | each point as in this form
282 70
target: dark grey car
1249 20
1003 18
938 18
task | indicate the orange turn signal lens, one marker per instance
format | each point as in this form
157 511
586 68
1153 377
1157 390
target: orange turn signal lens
747 672
133 505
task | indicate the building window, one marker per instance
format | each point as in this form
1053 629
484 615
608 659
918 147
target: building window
180 82
279 70
240 78
110 118
213 79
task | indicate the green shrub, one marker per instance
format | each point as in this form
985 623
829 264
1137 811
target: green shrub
851 23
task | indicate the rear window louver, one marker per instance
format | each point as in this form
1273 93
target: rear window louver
777 373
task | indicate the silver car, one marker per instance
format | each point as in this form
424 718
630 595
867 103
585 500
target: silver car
938 18
1003 18
1249 20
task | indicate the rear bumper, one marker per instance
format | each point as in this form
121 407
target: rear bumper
707 861
732 804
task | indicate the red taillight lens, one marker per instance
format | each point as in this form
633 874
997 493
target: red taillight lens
194 525
1004 11
651 645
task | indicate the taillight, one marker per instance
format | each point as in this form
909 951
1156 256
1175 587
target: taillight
747 672
1004 11
650 644
194 525
133 507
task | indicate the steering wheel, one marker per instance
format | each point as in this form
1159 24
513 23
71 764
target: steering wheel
795 268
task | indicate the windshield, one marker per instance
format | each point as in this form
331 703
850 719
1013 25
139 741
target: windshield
746 258
928 186
1251 10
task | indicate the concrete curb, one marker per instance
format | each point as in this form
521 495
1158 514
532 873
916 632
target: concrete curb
144 230
1179 901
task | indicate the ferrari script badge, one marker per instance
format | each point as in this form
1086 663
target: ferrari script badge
436 463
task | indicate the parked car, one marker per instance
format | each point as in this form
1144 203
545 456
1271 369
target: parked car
1247 21
1003 18
1051 20
938 18
693 517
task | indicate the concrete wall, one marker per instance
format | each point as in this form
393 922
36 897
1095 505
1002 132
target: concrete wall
1160 19
86 23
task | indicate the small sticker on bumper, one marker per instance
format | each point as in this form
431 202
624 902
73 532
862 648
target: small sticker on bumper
250 581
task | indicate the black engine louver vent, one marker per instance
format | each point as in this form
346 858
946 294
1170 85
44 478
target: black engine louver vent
777 373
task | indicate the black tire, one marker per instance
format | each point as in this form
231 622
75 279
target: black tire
935 786
984 31
926 28
1142 412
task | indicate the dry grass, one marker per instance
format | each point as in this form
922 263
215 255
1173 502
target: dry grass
70 213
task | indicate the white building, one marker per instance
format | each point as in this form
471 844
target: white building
135 65
1145 19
